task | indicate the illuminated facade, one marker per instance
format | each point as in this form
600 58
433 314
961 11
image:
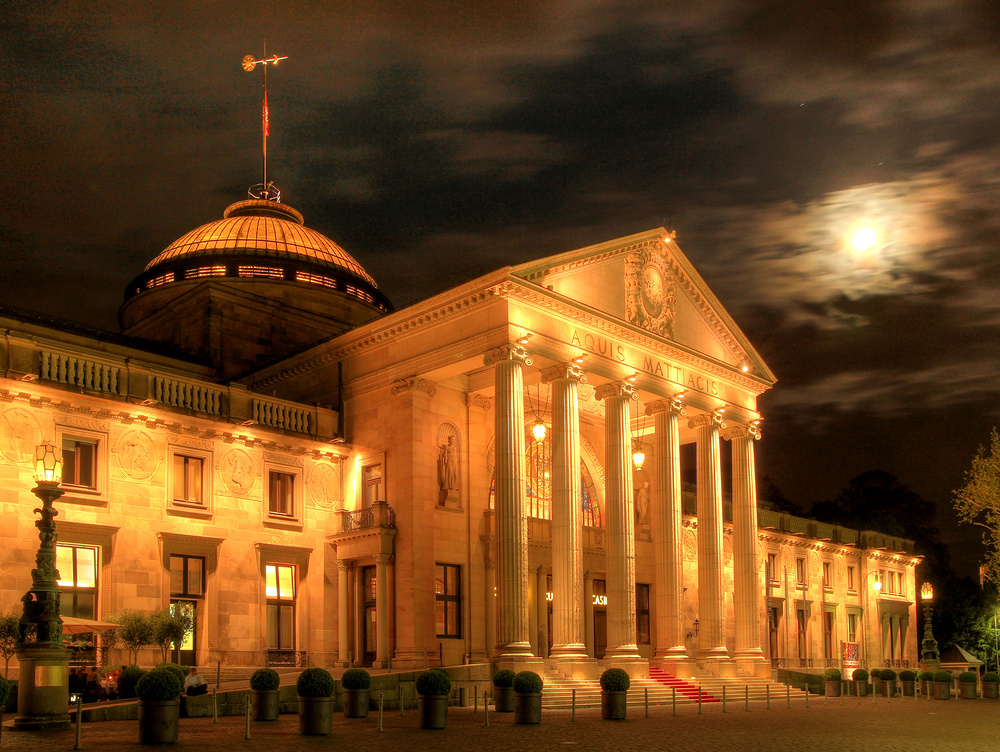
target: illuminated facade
273 449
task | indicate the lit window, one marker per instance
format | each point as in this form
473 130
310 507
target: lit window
77 582
281 494
80 462
448 600
279 588
188 479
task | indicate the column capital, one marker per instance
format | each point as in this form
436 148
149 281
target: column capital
707 419
742 431
507 352
668 405
345 565
616 389
382 559
564 371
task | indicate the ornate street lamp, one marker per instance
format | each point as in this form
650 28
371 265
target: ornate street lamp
929 654
43 690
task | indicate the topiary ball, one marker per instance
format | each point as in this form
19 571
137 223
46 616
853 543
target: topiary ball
615 680
356 678
991 676
888 674
159 685
175 670
127 680
503 678
860 675
832 674
967 677
527 683
926 676
876 673
942 676
265 680
315 682
433 682
907 675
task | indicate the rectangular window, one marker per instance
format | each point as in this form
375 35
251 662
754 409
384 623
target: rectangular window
852 627
281 493
448 600
828 575
187 576
772 567
188 479
642 614
800 623
829 619
901 583
372 484
279 589
80 462
852 585
800 571
77 582
773 622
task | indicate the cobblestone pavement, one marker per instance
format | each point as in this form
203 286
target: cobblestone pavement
896 726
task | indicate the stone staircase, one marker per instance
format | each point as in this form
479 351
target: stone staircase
662 689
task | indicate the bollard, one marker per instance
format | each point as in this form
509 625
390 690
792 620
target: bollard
79 718
380 712
218 673
807 696
699 700
574 704
767 688
400 685
215 704
723 698
246 733
645 692
486 707
788 695
746 697
673 698
475 699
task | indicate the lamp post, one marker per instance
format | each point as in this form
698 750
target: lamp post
877 587
43 691
929 656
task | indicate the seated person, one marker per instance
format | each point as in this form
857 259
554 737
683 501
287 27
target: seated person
92 688
76 682
194 684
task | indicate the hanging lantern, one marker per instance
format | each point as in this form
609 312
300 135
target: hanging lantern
638 457
538 430
48 464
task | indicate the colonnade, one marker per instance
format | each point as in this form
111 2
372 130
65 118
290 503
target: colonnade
569 617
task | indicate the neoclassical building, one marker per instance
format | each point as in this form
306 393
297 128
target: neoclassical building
554 461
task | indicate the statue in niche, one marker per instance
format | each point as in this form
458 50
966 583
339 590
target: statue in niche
642 505
448 470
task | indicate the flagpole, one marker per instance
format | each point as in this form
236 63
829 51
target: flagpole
248 65
264 123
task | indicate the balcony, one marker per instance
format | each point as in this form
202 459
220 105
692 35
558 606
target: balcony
365 532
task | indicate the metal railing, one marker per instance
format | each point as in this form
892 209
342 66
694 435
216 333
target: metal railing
285 658
378 514
777 663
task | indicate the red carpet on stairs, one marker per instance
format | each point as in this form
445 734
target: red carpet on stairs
683 688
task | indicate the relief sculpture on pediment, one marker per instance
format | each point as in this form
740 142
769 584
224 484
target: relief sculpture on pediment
650 298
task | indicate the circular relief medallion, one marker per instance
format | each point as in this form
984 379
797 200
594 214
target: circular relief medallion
651 288
690 545
20 434
237 472
324 485
136 455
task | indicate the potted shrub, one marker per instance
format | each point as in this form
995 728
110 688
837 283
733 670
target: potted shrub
908 679
315 687
264 689
860 677
888 678
527 697
832 678
159 694
433 687
614 694
503 691
927 682
4 692
876 675
991 684
127 680
967 685
942 685
356 683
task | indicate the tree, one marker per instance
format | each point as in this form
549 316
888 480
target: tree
135 632
8 638
168 630
978 502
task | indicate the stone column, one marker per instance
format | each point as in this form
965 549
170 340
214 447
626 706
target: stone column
381 611
513 636
620 549
668 538
746 594
542 610
711 606
567 514
491 607
343 612
588 612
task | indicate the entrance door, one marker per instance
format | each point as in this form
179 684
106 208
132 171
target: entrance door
773 620
184 654
600 619
368 625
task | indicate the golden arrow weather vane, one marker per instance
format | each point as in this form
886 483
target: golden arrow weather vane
265 190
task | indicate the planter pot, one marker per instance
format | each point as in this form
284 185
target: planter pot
315 715
265 704
503 699
991 689
967 691
433 711
926 688
909 688
861 688
355 703
889 688
613 705
528 707
876 685
942 690
158 721
833 688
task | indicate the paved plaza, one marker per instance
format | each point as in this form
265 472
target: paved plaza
896 726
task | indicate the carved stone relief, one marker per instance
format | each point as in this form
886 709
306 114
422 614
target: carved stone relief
650 300
21 433
237 472
137 455
324 485
690 545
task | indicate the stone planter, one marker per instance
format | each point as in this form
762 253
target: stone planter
861 688
265 704
876 685
503 699
909 688
158 721
889 687
355 703
315 715
833 688
991 690
967 691
613 705
942 690
528 707
433 711
926 688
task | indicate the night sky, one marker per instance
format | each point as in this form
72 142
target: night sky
437 141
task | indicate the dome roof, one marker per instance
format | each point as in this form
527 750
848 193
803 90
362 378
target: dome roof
258 230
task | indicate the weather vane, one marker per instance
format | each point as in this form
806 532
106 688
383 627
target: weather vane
265 190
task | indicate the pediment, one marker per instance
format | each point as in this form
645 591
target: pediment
646 281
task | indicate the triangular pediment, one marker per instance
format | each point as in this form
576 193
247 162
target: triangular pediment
648 282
